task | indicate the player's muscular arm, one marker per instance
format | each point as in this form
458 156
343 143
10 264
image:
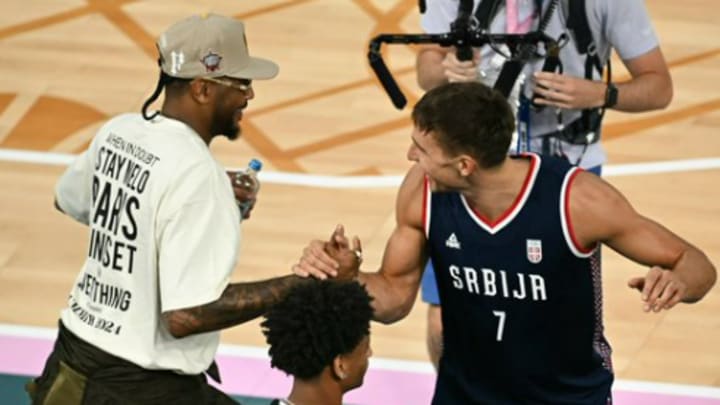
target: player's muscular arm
395 285
240 302
599 213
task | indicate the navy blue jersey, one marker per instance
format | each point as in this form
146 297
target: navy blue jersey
521 300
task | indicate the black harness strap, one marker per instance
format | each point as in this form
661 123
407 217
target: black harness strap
577 22
484 14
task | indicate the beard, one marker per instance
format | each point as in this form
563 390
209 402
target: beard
226 124
232 132
226 119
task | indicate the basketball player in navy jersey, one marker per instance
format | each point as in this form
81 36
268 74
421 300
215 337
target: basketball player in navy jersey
512 239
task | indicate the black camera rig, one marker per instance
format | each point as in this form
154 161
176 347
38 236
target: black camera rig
466 33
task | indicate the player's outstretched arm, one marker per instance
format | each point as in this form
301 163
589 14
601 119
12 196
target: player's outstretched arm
395 285
679 272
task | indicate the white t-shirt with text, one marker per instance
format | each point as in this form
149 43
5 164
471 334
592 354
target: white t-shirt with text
164 235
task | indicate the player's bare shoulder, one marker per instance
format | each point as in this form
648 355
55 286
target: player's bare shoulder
411 197
589 192
597 209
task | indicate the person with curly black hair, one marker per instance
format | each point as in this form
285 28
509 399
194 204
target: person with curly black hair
320 334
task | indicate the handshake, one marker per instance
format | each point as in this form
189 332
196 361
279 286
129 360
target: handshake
333 258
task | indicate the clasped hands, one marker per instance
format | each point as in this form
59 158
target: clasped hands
332 258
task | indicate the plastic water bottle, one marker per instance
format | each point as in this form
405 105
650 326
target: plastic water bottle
253 167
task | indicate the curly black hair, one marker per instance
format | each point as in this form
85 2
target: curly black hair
315 323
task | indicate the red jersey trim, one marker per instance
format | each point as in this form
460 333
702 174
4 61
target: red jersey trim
517 205
567 226
426 206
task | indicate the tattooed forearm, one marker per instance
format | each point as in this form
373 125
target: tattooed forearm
239 303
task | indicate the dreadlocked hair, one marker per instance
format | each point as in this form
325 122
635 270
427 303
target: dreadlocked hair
164 80
315 323
158 89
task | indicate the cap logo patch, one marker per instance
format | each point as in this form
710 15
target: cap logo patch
177 59
211 61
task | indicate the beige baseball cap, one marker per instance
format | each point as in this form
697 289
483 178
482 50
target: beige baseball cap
210 46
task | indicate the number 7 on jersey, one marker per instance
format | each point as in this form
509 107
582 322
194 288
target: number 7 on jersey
501 324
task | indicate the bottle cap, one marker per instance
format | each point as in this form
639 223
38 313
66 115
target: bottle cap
255 164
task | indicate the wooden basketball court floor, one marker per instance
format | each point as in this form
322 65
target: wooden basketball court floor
334 148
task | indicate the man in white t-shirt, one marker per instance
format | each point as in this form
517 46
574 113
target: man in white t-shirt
556 129
143 318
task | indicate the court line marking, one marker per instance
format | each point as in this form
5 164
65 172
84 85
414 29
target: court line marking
389 181
407 366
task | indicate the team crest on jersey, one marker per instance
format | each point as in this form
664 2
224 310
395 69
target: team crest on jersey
534 250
